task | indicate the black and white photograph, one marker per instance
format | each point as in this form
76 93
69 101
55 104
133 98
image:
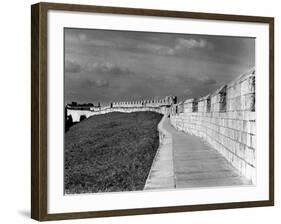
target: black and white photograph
152 111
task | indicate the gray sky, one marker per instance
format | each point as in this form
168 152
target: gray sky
105 66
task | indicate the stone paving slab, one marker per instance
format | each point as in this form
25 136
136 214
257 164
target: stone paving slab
212 182
197 164
186 161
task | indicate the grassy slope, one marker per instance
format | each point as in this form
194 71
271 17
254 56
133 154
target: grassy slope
111 152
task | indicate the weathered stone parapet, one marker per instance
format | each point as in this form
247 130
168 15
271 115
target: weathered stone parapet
188 106
167 101
227 120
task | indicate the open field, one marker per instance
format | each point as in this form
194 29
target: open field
111 152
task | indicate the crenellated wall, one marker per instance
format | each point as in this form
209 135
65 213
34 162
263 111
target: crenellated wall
159 106
168 100
226 119
76 114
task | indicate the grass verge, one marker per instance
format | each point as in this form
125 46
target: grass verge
111 152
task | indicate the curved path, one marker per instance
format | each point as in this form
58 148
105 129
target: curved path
191 163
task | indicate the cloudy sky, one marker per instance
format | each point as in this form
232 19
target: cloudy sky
105 66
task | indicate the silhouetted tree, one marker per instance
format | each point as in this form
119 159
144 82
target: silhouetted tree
68 122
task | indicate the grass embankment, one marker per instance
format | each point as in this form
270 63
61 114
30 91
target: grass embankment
111 152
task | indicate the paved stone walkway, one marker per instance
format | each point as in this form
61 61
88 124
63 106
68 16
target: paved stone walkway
161 174
195 164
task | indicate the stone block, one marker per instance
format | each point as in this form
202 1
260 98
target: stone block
254 141
241 152
252 127
243 138
249 115
250 156
248 85
250 140
248 102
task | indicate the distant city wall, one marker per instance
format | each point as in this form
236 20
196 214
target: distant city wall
168 100
77 114
159 106
226 119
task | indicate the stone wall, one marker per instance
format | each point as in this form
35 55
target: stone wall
226 119
155 105
168 100
76 114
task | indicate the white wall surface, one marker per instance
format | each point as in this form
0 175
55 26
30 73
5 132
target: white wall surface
15 112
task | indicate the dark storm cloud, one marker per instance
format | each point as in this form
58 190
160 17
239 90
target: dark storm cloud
141 42
107 66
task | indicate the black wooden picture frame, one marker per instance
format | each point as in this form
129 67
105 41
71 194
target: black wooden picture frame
39 105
